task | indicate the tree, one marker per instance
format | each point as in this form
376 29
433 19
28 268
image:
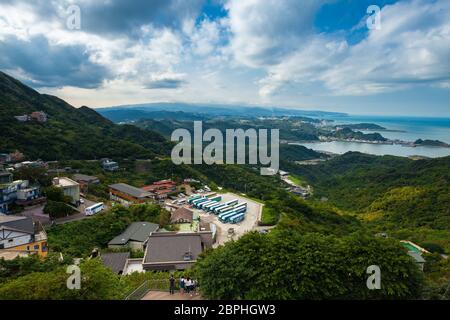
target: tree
57 209
54 194
97 283
289 265
164 218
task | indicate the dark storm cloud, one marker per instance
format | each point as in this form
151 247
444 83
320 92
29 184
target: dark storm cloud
51 65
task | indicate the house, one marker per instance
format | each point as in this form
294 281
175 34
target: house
182 215
172 251
161 189
70 188
116 261
127 194
85 180
8 193
134 237
29 196
22 235
109 165
39 116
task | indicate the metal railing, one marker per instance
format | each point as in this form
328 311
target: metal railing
139 292
146 286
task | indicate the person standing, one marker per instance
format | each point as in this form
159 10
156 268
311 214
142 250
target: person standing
182 284
172 284
188 285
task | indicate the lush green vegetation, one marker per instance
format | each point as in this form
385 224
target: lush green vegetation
79 238
290 265
70 133
398 195
97 283
319 249
21 266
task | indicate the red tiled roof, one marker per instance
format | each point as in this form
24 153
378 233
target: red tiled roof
163 191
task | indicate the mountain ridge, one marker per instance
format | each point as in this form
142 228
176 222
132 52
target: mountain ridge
69 133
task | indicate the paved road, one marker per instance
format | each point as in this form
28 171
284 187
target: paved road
78 216
37 213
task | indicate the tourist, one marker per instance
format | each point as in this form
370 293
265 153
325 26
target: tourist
182 284
172 284
188 285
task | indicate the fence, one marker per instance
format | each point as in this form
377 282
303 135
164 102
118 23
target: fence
146 286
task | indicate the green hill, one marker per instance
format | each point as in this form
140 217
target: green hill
69 133
403 192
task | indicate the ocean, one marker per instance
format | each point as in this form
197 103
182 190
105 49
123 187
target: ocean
404 128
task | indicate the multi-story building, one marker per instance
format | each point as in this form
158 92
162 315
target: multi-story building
8 193
127 194
70 188
85 180
22 235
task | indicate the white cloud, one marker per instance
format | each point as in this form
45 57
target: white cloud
263 32
412 48
259 51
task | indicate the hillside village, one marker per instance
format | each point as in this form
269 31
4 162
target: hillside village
28 209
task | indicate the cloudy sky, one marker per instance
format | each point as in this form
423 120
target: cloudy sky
310 54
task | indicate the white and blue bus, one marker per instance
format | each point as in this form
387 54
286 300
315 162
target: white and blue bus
224 217
90 211
225 208
196 204
224 205
194 197
237 218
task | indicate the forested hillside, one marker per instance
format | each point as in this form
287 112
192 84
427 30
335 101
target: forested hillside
69 133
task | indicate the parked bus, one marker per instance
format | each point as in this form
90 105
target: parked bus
223 205
201 205
225 216
236 209
241 205
194 197
225 208
195 203
237 218
211 205
229 210
90 211
213 200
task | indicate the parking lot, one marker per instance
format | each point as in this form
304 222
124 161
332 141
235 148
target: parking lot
250 222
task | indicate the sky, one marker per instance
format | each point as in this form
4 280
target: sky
307 54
